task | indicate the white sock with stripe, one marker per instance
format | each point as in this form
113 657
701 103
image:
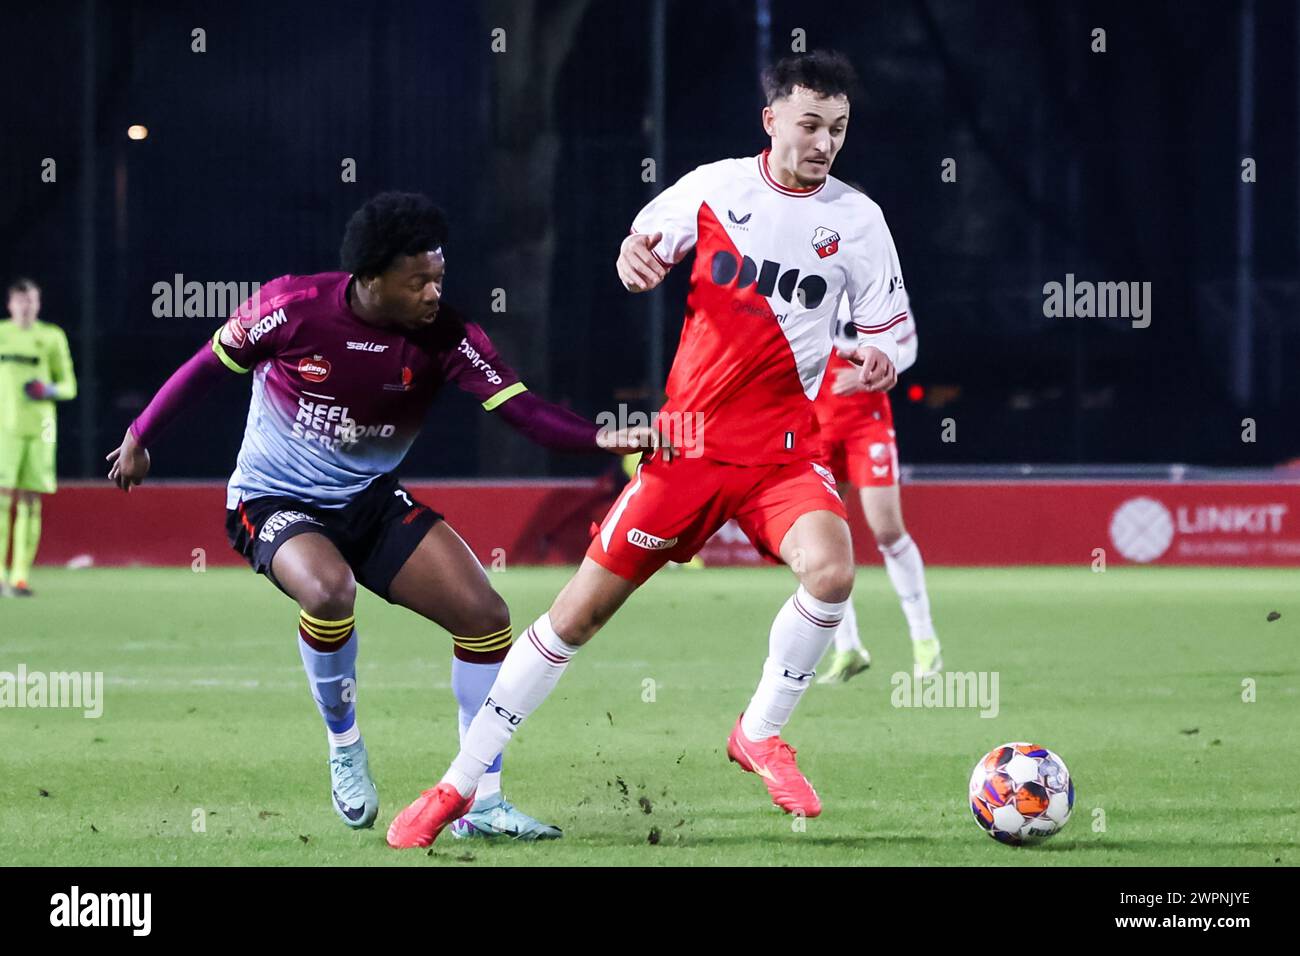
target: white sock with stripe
802 630
846 635
528 674
907 573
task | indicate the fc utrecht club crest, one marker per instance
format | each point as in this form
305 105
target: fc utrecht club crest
826 242
314 369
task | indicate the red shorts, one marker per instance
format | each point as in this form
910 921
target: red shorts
668 511
867 458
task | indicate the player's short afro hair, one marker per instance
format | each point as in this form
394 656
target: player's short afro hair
391 225
826 72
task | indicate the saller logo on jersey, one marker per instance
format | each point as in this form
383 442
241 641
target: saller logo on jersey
367 347
826 242
648 541
314 369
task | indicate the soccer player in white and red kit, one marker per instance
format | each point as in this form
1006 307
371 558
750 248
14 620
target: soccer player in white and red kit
860 448
777 240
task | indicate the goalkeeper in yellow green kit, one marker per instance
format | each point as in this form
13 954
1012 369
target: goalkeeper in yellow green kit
35 372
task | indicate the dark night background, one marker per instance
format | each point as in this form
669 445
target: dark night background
1115 166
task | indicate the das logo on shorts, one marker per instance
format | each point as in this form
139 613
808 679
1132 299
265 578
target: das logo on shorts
281 520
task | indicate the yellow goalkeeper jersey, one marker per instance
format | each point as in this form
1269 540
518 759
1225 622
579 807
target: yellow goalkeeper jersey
40 352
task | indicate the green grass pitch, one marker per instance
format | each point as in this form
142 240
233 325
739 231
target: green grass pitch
1135 676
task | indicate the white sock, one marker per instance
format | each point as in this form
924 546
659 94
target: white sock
800 634
846 635
345 739
489 785
907 574
489 788
528 674
471 683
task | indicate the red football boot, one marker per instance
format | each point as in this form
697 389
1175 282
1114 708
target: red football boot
421 822
773 760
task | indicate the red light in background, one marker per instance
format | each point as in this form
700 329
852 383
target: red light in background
915 393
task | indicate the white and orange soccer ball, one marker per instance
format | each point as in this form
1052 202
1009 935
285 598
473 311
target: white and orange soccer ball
1020 793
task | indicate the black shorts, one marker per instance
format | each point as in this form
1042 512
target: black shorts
376 532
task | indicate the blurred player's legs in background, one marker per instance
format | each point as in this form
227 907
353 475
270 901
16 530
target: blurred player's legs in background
883 508
26 540
850 657
6 511
26 473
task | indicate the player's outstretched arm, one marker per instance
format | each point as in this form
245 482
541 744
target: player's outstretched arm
638 268
129 462
559 429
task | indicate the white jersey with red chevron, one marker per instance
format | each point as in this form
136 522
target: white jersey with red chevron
771 264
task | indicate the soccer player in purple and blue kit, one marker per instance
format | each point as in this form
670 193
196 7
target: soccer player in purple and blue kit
344 368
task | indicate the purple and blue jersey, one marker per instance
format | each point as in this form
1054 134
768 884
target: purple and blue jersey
337 402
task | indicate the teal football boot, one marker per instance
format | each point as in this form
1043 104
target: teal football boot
352 791
501 818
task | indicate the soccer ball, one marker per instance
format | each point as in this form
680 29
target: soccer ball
1021 793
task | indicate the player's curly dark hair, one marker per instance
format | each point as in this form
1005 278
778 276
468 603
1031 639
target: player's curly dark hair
391 225
827 72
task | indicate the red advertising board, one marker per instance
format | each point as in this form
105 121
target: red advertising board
548 522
